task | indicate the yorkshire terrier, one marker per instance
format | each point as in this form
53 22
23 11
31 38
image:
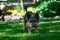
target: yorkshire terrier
31 20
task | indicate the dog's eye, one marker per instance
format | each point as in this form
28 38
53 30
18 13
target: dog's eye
34 21
30 21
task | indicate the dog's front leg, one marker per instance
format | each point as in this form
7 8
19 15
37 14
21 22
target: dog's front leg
24 26
29 30
36 29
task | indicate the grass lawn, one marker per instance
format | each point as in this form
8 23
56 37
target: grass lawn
49 29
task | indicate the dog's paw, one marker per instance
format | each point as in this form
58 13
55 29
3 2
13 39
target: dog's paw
24 28
30 33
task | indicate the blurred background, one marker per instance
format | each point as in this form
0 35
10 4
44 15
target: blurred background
13 11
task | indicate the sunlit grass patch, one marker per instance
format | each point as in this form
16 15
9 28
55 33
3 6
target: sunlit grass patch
48 28
54 30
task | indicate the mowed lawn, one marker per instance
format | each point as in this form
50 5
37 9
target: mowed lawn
49 29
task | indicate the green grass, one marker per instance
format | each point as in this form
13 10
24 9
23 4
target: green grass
49 29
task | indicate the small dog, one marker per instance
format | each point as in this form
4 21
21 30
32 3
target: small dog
31 20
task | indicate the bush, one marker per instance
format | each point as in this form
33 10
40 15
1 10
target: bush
48 8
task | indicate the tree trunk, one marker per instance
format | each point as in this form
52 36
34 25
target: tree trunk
34 1
22 4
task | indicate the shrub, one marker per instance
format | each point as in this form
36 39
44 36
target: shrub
48 8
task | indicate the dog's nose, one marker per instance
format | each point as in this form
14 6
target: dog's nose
33 23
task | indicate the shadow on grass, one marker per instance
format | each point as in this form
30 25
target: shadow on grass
49 20
44 37
47 31
9 38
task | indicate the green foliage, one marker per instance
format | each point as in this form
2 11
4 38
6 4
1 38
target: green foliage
18 7
48 8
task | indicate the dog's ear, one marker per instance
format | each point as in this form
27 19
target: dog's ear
37 16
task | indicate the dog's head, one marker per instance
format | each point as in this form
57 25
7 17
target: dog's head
33 18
